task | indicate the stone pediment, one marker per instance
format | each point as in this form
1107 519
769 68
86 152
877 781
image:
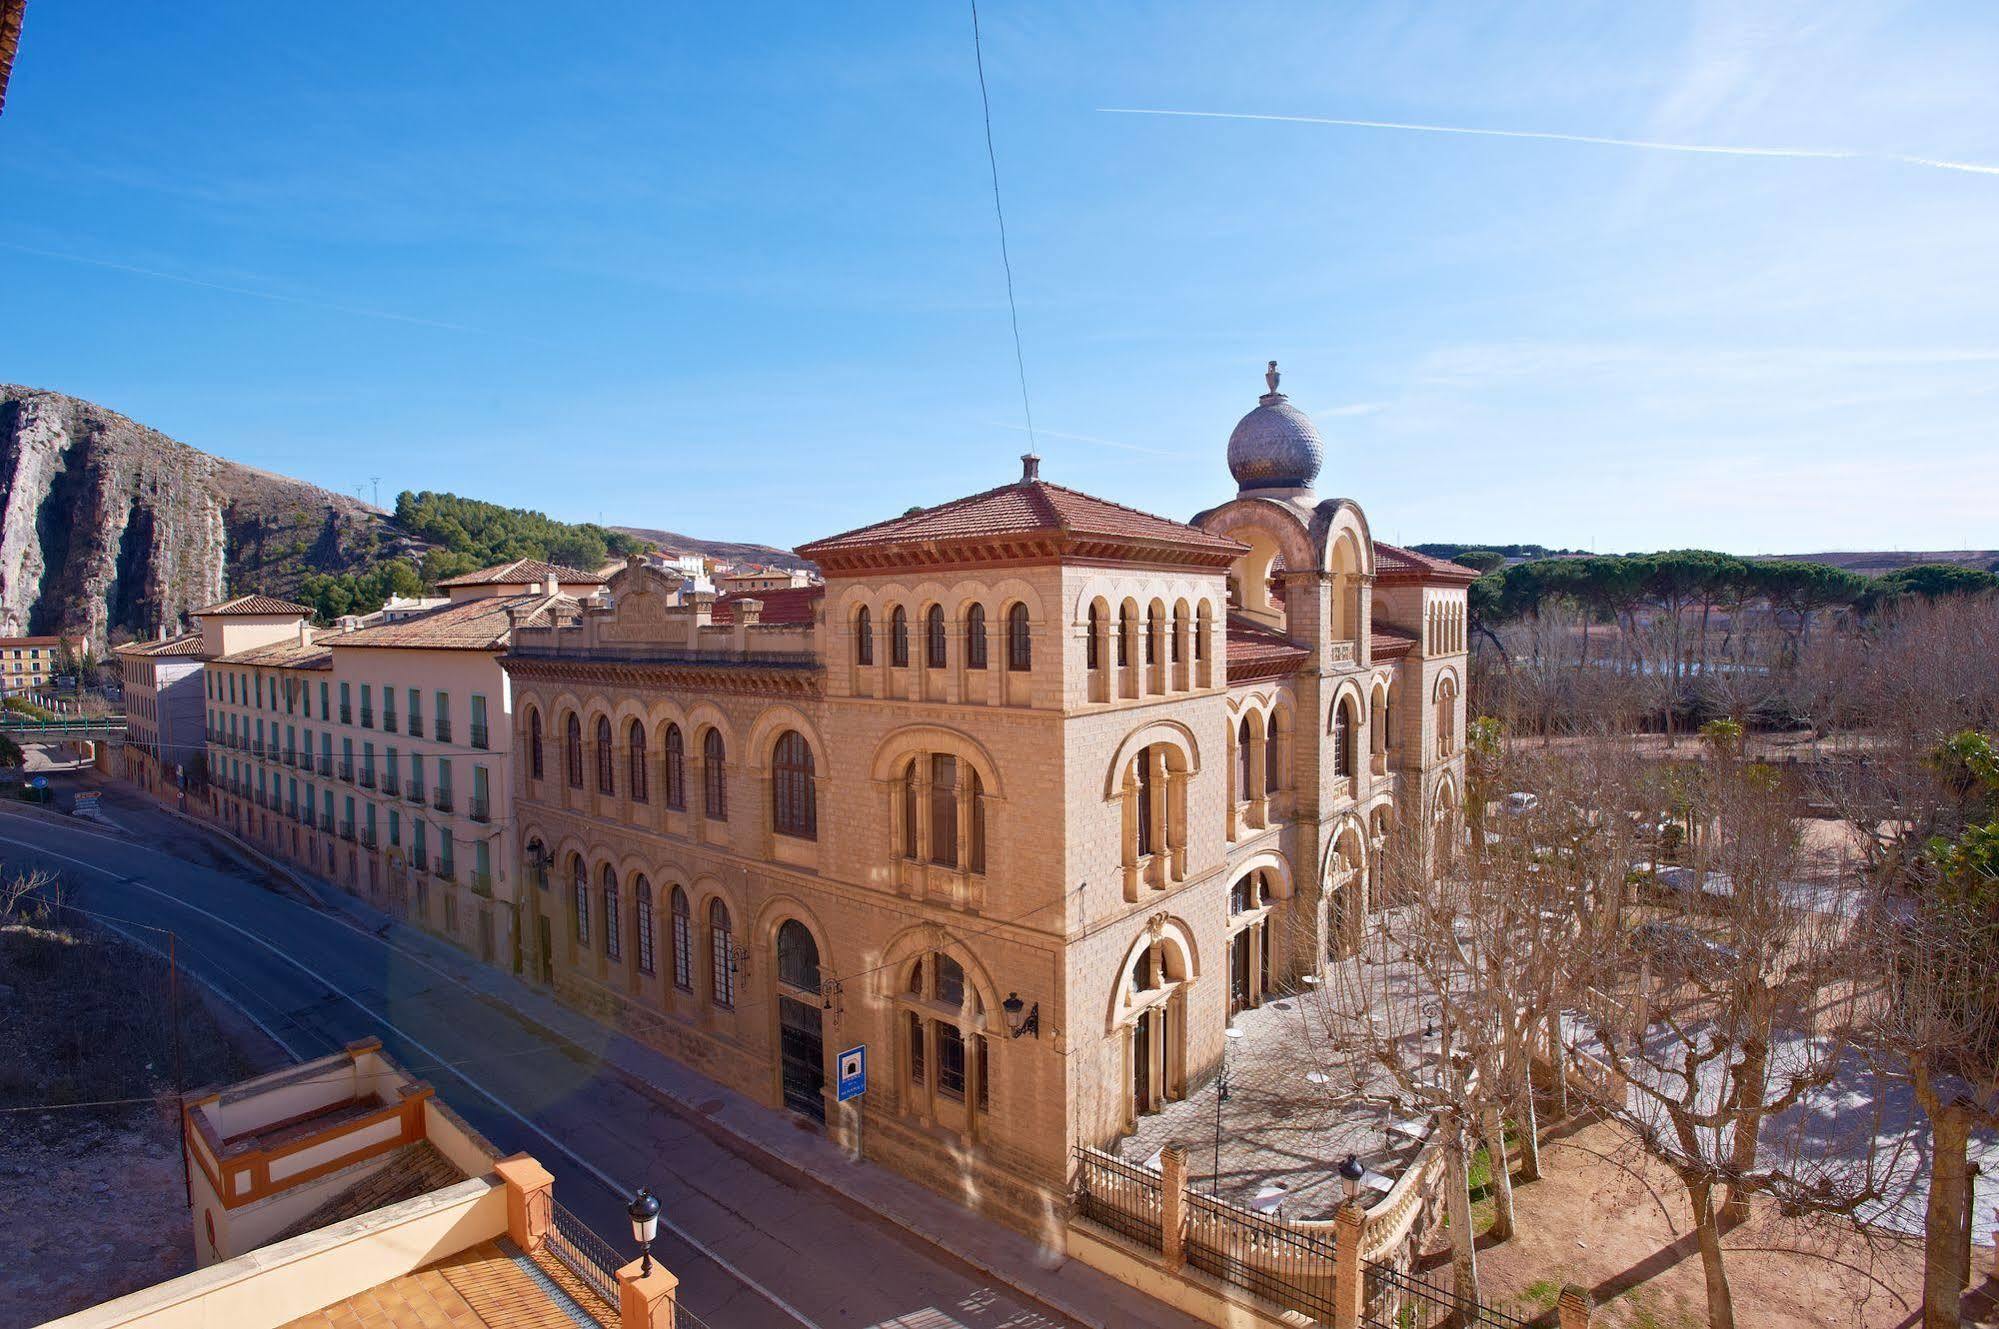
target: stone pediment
642 604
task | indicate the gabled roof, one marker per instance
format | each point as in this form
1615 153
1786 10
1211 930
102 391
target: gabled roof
1257 652
187 643
787 604
1027 510
289 654
1393 563
523 572
469 625
254 604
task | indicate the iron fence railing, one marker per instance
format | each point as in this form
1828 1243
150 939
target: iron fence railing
585 1254
1283 1264
1393 1298
1114 1194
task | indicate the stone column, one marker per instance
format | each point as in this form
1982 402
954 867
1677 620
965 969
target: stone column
1349 1285
1173 1205
530 1199
646 1301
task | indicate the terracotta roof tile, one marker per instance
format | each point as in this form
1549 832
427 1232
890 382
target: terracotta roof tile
469 625
523 572
1394 563
316 654
255 604
413 1170
1388 642
1028 507
186 644
1257 652
789 604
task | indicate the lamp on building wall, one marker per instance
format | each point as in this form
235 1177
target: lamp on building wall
1351 1173
644 1211
1020 1017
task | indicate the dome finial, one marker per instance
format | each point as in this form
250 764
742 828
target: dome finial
1270 377
1275 446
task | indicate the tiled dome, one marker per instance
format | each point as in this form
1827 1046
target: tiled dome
1275 446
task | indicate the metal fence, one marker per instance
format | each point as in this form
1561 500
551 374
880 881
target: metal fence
1112 1193
586 1254
1395 1299
1284 1265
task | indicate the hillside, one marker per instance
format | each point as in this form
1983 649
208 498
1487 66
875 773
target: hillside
112 529
1866 562
728 551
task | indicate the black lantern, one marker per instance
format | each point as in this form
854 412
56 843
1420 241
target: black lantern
1351 1173
1017 1022
644 1211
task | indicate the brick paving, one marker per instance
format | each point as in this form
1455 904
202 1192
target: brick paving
484 1286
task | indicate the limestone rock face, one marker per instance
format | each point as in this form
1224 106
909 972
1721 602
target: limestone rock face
114 530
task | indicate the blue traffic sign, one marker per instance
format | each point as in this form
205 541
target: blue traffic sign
853 1072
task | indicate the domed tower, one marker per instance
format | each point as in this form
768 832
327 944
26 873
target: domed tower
1275 451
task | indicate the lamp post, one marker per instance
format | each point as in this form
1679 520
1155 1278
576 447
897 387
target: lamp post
644 1212
1020 1018
1351 1173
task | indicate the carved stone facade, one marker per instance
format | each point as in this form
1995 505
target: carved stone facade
1027 800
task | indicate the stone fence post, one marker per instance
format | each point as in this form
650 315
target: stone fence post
530 1200
1173 1205
646 1301
1349 1290
1577 1308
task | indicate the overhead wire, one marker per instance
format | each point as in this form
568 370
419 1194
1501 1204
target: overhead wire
999 214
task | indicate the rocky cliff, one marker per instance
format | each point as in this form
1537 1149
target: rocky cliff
115 530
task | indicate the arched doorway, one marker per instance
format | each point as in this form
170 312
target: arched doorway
1249 940
800 1015
1152 1012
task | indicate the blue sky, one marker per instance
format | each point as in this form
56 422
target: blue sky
732 270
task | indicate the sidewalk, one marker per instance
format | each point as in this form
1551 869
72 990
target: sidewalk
773 1140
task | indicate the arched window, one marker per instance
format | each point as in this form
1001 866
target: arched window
534 743
933 638
909 814
1125 614
797 956
975 637
1273 757
579 903
794 794
864 637
676 768
943 1029
1092 644
1019 640
605 783
975 854
1342 739
714 776
572 750
635 762
1179 647
612 917
898 638
721 956
642 921
1153 626
944 809
1245 758
1203 621
1144 761
1447 717
683 942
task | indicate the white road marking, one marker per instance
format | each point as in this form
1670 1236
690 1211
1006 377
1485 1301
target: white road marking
603 1178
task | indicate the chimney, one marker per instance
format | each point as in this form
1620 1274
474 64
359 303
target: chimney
1030 468
749 611
551 586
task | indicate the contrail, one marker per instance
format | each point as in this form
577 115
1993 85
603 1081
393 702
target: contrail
236 290
1650 145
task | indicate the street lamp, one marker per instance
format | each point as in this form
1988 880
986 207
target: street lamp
1351 1173
644 1211
1017 1022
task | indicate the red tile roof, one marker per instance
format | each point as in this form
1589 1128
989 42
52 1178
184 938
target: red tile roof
1024 508
255 604
1389 643
291 654
1256 652
1394 563
523 572
469 625
187 643
788 604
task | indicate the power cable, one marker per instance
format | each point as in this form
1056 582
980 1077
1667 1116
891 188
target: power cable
999 213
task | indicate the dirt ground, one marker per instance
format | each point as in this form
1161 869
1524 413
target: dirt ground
90 1169
1619 1225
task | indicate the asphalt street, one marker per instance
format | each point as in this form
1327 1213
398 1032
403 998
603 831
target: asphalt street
751 1250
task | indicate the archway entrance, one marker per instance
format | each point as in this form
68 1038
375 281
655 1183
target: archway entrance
800 1022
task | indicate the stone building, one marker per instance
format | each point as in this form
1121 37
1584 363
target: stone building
1027 798
377 756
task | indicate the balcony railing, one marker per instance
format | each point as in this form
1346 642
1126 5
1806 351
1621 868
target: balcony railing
388 721
443 729
479 735
367 718
415 792
416 725
446 869
325 765
346 713
481 883
347 830
481 808
291 810
368 836
367 777
347 771
392 785
441 800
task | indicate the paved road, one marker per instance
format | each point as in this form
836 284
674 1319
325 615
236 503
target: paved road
750 1250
